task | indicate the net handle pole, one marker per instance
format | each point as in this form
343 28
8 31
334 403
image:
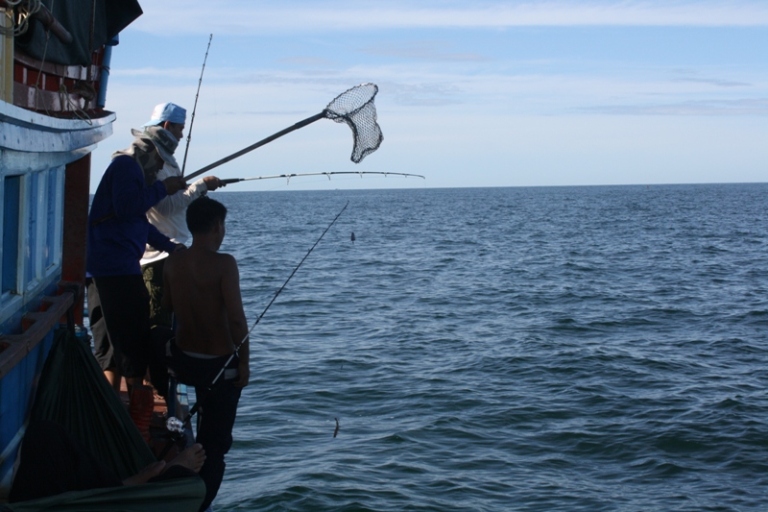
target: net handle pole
300 124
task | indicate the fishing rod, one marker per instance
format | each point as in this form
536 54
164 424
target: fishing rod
194 109
328 174
175 425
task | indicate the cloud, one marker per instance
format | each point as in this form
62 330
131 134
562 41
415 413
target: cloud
691 77
251 17
306 62
717 82
735 107
422 50
415 84
423 94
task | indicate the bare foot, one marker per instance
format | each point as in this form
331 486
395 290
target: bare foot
145 474
191 458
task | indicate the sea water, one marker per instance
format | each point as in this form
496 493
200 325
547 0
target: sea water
492 349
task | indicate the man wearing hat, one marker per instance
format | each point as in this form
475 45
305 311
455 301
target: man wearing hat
118 232
169 215
169 116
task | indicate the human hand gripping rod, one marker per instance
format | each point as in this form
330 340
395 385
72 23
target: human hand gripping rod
354 107
174 424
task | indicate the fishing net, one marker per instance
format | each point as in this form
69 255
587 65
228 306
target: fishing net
356 108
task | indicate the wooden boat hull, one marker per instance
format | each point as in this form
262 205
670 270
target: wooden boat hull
33 142
49 125
52 117
44 172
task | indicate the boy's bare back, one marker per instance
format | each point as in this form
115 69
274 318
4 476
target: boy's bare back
202 288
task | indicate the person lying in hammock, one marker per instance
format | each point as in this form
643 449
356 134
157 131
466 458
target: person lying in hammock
53 462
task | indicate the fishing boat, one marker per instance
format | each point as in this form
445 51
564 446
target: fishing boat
54 69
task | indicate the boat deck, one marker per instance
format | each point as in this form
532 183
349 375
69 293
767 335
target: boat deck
161 441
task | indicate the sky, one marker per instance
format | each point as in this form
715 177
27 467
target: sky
472 93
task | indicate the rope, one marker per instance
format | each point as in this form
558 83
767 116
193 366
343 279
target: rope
67 104
76 109
42 63
21 24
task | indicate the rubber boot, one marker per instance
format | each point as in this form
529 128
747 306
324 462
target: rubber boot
141 405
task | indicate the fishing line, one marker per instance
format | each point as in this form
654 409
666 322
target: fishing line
283 286
174 424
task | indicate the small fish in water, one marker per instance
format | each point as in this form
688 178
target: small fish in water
336 430
352 237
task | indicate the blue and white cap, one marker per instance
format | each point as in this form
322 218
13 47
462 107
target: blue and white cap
167 112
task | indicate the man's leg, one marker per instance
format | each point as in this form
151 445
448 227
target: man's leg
217 412
153 280
214 431
125 308
102 347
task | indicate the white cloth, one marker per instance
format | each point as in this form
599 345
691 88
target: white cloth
169 216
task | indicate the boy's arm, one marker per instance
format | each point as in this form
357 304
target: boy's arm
238 325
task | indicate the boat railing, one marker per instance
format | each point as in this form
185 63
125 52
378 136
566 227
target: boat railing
35 327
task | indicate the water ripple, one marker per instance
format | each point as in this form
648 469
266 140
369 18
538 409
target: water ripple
556 349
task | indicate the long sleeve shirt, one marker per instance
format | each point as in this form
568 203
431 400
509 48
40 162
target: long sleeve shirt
118 229
169 216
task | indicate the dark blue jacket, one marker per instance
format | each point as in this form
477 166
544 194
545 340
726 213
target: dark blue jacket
118 228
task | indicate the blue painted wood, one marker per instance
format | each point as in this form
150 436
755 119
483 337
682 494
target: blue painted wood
16 395
11 204
32 142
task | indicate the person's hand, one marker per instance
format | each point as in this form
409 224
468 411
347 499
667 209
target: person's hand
244 374
173 184
212 182
179 247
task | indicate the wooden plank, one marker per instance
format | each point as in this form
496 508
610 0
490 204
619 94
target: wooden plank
38 325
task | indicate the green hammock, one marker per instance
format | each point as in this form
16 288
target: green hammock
74 393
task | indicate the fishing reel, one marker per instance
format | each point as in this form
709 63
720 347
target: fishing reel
174 426
176 435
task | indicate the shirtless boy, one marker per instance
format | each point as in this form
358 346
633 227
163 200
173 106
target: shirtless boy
202 288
